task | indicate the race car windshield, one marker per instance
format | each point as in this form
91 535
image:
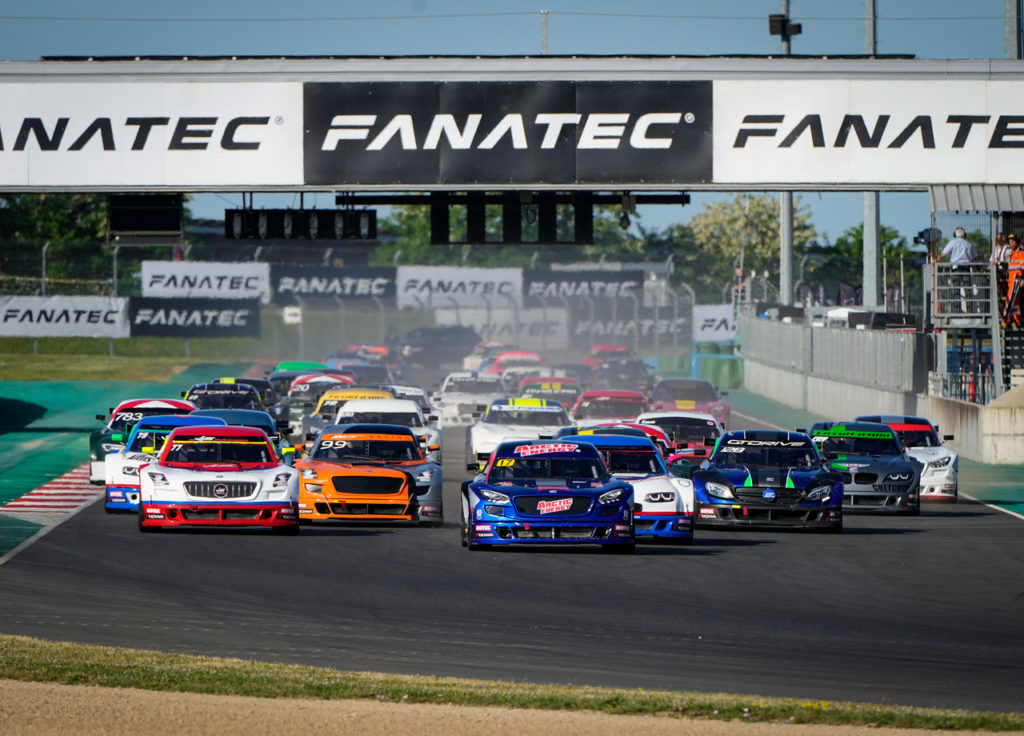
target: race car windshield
686 431
556 394
608 409
636 461
528 418
151 437
697 391
919 438
226 400
545 469
220 451
123 421
472 386
802 456
858 445
401 418
355 450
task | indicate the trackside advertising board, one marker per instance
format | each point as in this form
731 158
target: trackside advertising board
194 317
713 322
349 282
426 287
551 287
63 316
150 134
206 279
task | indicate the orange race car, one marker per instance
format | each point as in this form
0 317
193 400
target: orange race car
369 472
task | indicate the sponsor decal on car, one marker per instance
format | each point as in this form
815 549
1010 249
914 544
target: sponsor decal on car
528 450
554 506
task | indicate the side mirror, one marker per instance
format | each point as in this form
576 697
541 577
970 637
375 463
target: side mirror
433 448
802 429
288 450
432 417
475 467
480 408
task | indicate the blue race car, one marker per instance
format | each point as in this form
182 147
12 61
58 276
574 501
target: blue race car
124 467
664 503
768 478
547 492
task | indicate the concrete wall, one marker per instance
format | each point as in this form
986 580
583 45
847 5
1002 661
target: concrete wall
987 434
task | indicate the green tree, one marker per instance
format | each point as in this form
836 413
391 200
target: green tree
73 224
724 234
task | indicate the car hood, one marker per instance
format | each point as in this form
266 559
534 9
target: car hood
874 463
762 476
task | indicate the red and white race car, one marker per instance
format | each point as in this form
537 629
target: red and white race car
219 476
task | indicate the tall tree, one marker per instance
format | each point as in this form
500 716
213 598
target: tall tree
73 224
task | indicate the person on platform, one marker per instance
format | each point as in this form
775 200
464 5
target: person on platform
961 254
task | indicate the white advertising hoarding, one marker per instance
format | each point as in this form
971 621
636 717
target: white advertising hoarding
206 279
151 134
429 287
852 131
713 322
63 316
533 329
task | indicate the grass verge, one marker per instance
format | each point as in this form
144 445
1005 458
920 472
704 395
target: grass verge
23 658
28 367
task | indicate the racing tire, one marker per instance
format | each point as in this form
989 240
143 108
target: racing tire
916 511
465 538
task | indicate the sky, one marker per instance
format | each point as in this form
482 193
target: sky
932 29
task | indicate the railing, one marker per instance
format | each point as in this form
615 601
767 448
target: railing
964 294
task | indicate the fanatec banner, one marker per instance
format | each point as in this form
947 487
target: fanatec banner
838 131
150 134
194 317
206 279
713 322
349 282
429 287
63 316
551 287
502 133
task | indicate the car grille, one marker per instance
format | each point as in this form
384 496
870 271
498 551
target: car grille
219 489
783 496
368 483
527 505
363 509
554 532
860 479
219 514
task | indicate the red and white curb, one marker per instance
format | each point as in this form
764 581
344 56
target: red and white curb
51 502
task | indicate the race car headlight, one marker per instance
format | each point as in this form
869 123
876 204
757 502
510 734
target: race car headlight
940 463
281 480
308 473
111 447
130 470
899 477
610 497
494 496
158 479
660 497
821 493
315 487
717 409
719 490
425 477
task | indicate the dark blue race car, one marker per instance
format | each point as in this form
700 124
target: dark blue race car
768 478
547 492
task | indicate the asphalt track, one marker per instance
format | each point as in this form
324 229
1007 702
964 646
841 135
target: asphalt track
924 611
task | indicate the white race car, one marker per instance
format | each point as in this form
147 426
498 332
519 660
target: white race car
512 419
403 412
663 504
462 392
941 464
219 476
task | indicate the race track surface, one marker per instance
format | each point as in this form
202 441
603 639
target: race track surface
925 611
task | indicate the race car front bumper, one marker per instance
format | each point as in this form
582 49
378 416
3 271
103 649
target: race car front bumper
122 498
669 525
896 500
753 515
165 514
